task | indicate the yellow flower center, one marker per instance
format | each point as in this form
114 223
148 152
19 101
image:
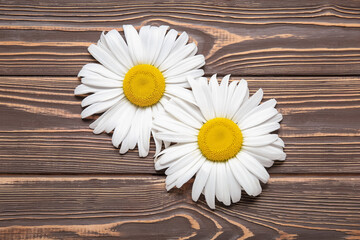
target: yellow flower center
144 85
220 139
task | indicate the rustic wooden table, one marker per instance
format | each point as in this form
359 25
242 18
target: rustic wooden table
60 181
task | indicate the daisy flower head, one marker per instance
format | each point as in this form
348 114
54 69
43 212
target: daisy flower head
134 79
224 139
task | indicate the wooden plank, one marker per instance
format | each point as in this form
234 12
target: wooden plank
140 207
41 130
257 37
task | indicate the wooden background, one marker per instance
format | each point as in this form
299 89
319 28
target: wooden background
59 181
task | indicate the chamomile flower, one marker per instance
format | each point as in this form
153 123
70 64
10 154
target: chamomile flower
224 139
134 81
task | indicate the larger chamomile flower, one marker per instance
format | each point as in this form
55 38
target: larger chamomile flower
134 81
224 139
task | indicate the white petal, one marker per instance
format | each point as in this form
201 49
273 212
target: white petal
198 162
223 95
200 180
95 69
114 51
161 38
166 47
246 180
173 153
265 161
176 56
260 140
132 137
124 124
185 160
155 110
101 96
175 176
154 44
167 123
101 123
160 109
257 118
101 82
84 89
215 94
265 105
178 138
234 187
279 143
164 101
158 145
145 37
108 120
274 153
87 73
222 188
185 65
99 107
136 127
218 184
238 98
253 166
203 98
194 52
248 105
230 93
210 187
182 115
105 59
170 186
135 45
144 137
262 129
103 44
191 109
159 166
277 118
179 92
181 82
180 41
166 144
118 46
181 79
239 174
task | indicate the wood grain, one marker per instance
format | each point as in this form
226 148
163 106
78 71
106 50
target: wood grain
140 207
41 130
305 54
259 37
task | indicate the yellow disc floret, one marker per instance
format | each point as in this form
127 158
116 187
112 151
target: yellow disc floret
144 85
220 139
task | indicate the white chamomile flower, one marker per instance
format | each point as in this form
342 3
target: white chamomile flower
134 81
224 139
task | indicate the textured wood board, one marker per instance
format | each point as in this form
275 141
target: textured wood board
139 207
258 37
41 130
306 54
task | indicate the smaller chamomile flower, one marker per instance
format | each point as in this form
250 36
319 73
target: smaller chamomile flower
135 79
224 139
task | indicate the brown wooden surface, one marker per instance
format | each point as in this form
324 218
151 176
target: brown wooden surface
131 207
319 37
320 127
60 181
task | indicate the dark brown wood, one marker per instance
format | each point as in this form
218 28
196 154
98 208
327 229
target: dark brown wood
87 190
41 130
140 208
259 37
